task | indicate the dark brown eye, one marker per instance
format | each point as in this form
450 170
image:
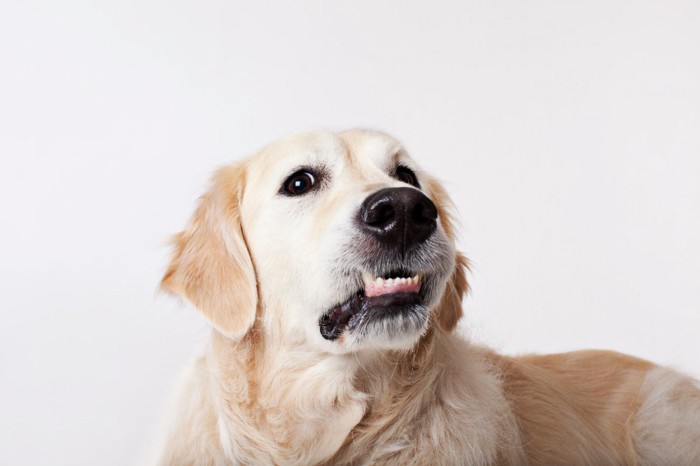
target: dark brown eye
299 183
407 176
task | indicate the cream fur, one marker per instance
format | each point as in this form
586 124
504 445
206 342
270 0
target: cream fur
270 390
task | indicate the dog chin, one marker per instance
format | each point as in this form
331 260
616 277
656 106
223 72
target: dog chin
397 332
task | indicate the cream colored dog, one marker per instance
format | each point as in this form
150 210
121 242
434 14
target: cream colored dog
327 266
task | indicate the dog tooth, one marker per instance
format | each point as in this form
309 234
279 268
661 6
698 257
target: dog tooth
389 282
379 281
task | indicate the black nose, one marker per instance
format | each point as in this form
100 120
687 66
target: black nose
401 217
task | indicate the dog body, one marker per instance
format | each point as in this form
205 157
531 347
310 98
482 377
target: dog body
326 264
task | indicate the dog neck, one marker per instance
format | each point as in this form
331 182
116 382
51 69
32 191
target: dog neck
282 405
289 406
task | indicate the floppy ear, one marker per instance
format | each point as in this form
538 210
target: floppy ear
210 265
449 309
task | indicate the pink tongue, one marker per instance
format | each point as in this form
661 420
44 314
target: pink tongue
372 289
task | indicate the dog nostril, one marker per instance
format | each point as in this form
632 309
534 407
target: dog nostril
379 214
424 213
385 213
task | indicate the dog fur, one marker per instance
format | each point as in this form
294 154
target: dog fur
264 267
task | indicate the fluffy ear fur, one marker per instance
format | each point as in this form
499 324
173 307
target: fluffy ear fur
210 265
449 309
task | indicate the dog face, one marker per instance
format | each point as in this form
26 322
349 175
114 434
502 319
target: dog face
338 242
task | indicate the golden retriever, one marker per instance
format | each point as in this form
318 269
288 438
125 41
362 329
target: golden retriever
326 264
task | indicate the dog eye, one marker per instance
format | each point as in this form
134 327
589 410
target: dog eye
407 176
299 183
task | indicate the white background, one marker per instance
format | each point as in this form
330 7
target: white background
567 133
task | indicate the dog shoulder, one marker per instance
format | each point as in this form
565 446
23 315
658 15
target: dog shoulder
602 407
577 407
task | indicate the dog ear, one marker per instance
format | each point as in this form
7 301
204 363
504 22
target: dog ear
210 265
449 309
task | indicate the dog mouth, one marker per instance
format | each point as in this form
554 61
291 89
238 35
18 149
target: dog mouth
380 286
393 294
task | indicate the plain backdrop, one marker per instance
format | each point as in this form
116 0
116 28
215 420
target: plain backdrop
568 134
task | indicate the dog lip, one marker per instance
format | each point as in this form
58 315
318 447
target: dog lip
394 299
334 322
349 313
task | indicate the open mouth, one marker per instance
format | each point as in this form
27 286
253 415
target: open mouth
392 294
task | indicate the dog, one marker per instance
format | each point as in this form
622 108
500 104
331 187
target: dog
327 266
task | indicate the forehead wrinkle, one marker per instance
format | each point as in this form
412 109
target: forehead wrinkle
348 156
366 165
400 155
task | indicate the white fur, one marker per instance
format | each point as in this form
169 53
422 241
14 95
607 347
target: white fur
667 427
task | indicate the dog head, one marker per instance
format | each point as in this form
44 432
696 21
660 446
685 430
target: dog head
338 241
